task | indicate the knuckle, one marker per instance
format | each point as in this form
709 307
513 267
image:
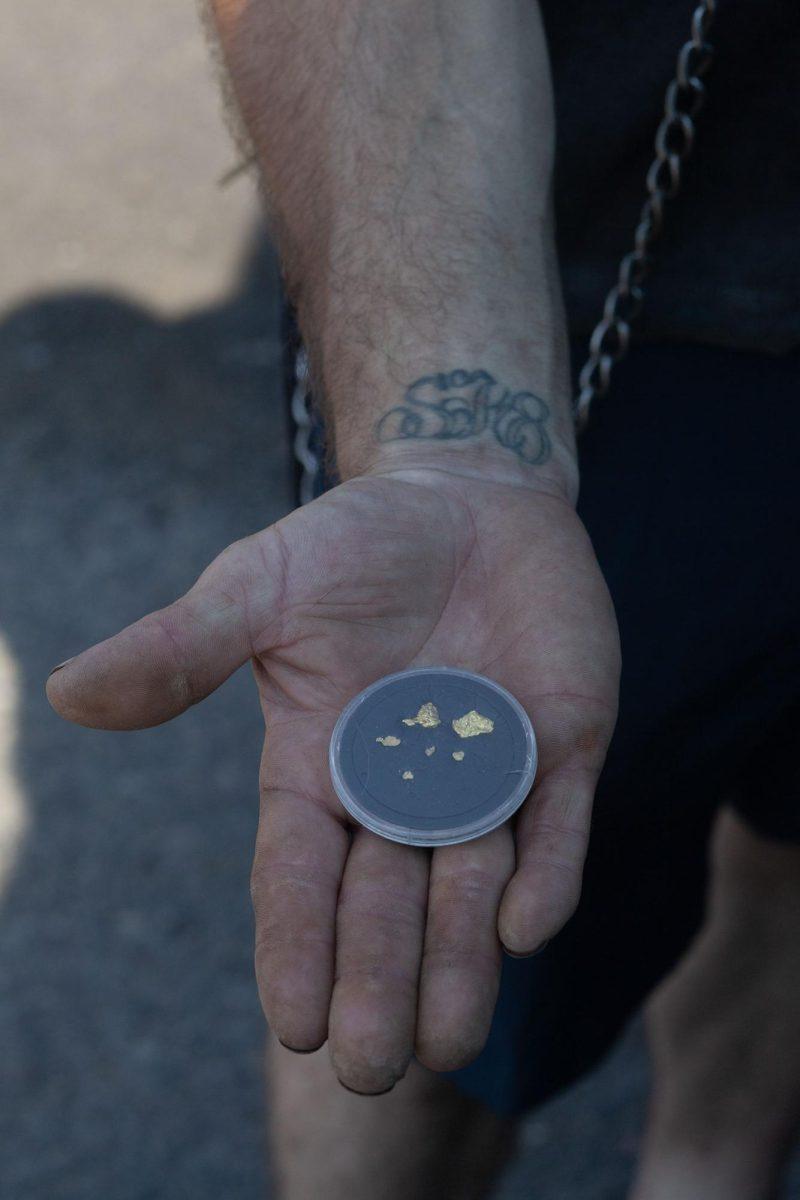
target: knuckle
376 906
465 888
272 938
376 976
456 950
275 884
183 681
566 871
558 838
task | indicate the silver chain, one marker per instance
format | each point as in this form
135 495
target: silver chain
301 415
673 143
611 337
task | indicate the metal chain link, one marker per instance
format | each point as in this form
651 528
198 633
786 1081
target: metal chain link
301 415
611 337
673 143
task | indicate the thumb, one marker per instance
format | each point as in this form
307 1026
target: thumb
169 660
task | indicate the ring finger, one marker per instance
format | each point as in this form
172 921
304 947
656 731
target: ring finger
462 956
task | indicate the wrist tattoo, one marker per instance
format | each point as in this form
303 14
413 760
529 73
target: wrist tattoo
463 404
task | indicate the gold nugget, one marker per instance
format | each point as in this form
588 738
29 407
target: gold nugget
471 724
458 755
408 774
389 740
427 717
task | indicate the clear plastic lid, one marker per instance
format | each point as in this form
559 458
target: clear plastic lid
432 756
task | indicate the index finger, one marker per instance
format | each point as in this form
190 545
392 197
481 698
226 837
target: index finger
301 848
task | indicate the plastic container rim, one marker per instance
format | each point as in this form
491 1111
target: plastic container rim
449 836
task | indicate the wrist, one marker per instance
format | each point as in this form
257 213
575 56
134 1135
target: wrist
469 422
481 464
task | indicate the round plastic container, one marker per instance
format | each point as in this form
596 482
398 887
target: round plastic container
432 756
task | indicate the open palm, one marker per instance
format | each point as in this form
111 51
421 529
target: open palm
388 950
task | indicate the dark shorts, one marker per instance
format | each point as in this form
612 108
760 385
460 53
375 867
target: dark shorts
689 490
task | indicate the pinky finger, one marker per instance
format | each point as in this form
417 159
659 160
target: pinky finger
552 837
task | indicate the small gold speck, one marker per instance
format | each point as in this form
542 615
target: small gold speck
427 716
458 755
429 750
471 724
408 774
389 740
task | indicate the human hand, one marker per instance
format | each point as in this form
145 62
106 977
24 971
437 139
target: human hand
384 949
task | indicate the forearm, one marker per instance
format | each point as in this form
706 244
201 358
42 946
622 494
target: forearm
406 151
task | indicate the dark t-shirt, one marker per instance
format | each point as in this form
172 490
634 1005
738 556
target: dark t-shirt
727 268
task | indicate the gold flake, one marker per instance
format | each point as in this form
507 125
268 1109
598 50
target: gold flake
471 724
389 740
458 755
408 774
427 716
429 750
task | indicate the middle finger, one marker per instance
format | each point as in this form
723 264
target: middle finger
462 957
379 932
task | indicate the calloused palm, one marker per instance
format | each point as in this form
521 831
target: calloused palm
388 950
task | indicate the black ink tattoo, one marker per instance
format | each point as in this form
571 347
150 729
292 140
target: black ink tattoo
462 404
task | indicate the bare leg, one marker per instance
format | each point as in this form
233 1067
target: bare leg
724 1031
423 1139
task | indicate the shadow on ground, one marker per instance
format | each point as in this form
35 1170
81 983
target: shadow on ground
133 451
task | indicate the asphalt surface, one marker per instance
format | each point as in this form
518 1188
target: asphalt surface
142 431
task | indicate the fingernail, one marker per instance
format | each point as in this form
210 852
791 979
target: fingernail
293 1049
355 1093
532 954
60 665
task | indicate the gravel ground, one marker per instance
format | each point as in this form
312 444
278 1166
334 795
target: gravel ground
143 430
